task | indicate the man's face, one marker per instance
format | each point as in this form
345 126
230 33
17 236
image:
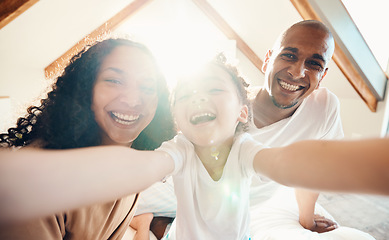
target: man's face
295 69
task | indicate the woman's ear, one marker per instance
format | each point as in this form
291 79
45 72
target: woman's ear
244 114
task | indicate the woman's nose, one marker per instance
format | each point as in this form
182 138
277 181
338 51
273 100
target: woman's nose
130 96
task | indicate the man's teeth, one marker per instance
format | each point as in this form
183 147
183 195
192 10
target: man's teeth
288 86
124 118
202 117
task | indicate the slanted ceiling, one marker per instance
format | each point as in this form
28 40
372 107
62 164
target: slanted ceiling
10 9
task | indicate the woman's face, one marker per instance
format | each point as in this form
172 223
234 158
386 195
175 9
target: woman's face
125 95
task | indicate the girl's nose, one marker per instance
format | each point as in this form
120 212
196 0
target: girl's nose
198 98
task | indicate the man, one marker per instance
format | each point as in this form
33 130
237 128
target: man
291 107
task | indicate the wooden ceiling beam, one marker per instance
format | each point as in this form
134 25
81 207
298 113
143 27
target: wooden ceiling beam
11 9
214 16
349 71
109 26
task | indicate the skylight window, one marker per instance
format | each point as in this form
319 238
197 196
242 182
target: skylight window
371 19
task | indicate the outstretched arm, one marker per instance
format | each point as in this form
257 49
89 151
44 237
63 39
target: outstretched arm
35 182
360 166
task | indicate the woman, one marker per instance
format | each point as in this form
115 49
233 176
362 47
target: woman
111 93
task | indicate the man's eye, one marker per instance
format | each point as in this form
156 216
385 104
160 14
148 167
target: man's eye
315 65
288 56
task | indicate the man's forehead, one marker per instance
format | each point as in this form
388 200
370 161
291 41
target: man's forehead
308 41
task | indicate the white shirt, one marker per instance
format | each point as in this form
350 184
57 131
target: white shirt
208 209
318 117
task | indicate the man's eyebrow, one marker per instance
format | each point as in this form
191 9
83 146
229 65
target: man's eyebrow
295 50
291 49
318 56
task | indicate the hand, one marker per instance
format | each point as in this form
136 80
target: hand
322 224
159 224
141 223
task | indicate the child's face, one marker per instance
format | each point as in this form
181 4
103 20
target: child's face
207 107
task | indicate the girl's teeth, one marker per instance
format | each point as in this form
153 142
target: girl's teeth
203 117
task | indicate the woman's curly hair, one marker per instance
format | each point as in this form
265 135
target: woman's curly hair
65 120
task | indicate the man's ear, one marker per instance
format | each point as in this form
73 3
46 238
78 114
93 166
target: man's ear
244 114
266 60
322 77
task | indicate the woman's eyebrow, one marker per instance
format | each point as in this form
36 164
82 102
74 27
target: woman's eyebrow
117 70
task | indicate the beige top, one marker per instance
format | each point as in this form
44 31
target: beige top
99 221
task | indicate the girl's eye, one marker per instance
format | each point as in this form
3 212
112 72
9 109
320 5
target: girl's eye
183 97
215 90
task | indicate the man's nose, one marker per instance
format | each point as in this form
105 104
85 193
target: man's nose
297 70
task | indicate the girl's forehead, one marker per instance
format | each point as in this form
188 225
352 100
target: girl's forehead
209 75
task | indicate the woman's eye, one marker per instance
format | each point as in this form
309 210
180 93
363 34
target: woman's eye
115 81
148 89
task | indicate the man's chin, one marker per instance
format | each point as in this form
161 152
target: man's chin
283 106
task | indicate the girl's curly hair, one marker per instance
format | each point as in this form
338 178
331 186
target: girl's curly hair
240 83
65 120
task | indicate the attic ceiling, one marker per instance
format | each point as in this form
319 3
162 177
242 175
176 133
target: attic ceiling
211 9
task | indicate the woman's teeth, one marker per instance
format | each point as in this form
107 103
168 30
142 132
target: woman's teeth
289 87
124 118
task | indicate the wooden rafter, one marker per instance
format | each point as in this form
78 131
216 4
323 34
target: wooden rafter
11 9
119 18
108 26
214 16
350 72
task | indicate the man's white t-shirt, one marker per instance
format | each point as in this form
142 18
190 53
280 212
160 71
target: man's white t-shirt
209 209
318 117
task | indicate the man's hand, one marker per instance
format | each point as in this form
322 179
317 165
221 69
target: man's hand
306 200
321 224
